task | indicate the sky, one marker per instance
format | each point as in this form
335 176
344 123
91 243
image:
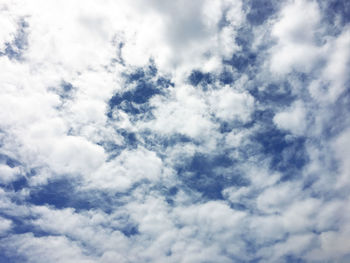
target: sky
174 131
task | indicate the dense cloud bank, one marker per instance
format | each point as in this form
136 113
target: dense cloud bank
174 131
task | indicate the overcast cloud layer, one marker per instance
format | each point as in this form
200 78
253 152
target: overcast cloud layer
174 131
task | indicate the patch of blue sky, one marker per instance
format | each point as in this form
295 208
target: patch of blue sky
294 259
23 226
337 8
170 193
64 193
226 126
161 142
104 201
135 100
130 138
202 174
288 154
141 94
66 90
273 95
61 193
124 224
242 60
17 184
226 77
9 160
244 38
130 230
197 77
260 11
112 149
6 257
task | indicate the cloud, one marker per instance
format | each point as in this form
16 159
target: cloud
331 85
295 32
8 173
230 105
5 226
294 119
40 249
340 147
184 102
128 168
9 29
180 28
174 131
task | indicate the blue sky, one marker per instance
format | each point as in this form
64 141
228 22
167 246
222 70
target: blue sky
174 131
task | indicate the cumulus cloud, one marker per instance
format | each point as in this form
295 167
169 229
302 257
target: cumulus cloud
331 85
8 25
230 105
294 119
295 32
174 131
5 225
41 249
128 168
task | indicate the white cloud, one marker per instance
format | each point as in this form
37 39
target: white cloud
294 245
128 168
333 245
186 112
299 217
43 249
8 28
275 198
49 133
231 105
74 155
341 147
295 32
5 225
293 119
8 174
212 216
183 33
333 77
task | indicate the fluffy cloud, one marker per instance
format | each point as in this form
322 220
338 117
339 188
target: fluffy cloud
8 25
174 131
5 226
128 168
293 120
230 105
41 249
295 32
